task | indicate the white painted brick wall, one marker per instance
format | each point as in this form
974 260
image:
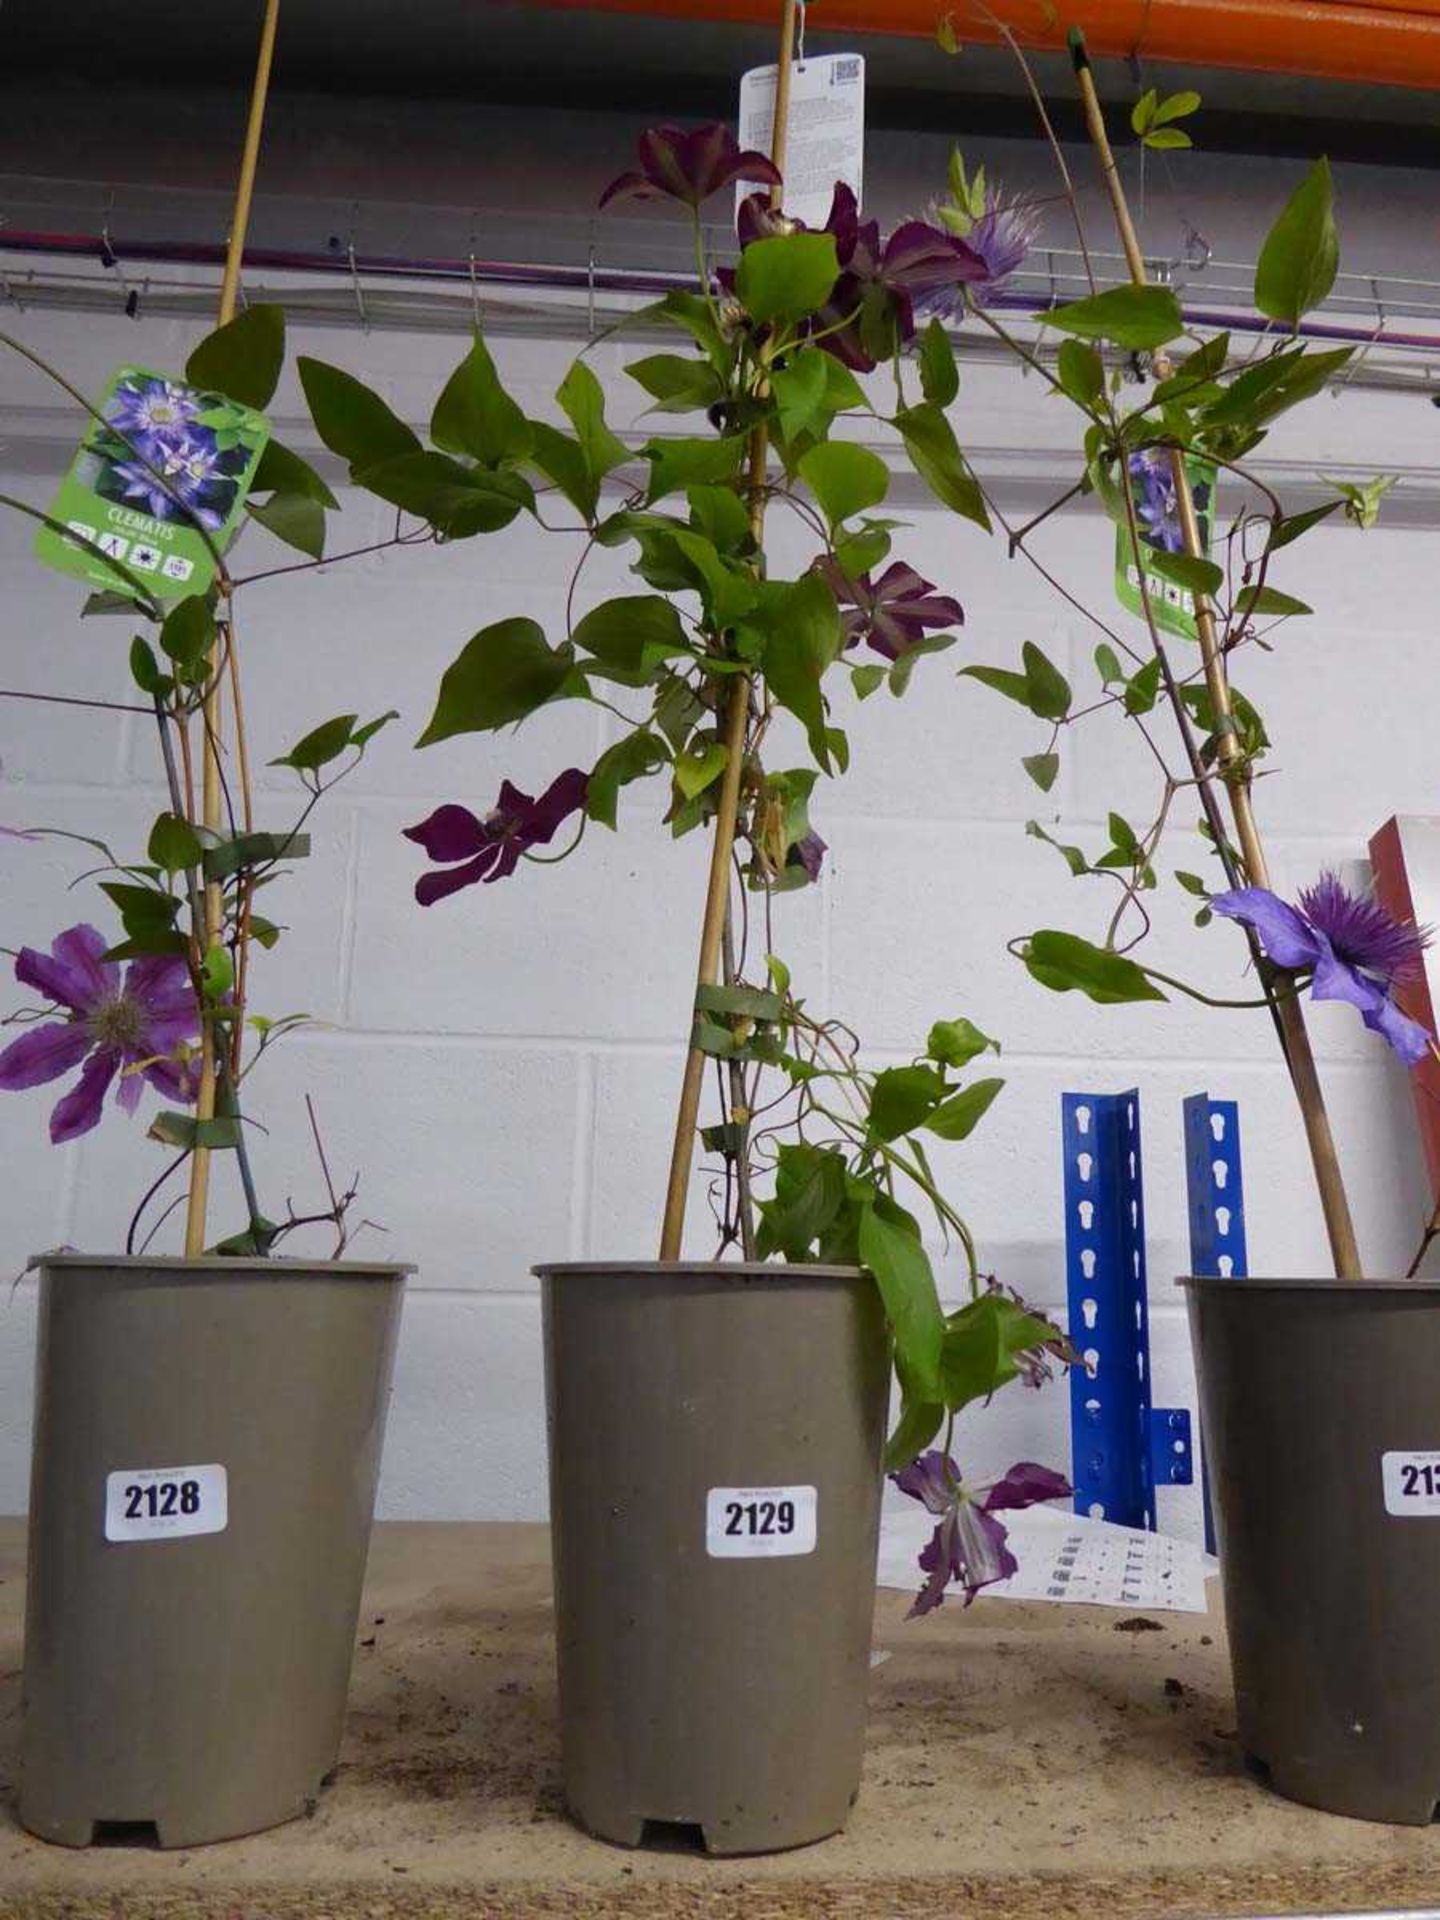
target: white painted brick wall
501 1068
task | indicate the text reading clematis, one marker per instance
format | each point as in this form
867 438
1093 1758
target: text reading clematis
1351 947
689 165
140 1027
491 848
968 1545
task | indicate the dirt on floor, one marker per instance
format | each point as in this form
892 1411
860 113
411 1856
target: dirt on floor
1023 1760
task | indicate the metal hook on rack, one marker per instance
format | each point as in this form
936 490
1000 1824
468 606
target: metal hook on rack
110 258
6 287
357 289
800 35
1379 333
474 282
1198 251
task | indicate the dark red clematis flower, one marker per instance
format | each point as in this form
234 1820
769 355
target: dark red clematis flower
873 303
689 165
892 613
491 848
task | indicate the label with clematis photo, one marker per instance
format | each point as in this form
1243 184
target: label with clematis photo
156 488
1171 575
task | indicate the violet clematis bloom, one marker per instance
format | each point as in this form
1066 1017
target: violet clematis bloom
187 478
690 165
892 613
491 848
1156 505
969 1543
1002 237
1035 1365
809 851
148 409
141 1023
1353 949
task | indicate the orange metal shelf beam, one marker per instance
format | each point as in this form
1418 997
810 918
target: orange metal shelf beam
1383 43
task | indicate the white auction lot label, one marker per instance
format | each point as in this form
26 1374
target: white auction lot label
1412 1482
165 1503
759 1523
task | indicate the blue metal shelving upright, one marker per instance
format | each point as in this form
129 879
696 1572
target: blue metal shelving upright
1122 1447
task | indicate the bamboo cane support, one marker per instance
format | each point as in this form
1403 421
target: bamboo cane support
199 1195
1295 1035
717 893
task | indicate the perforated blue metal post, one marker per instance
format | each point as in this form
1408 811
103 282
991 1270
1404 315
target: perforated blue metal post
1121 1446
1216 1188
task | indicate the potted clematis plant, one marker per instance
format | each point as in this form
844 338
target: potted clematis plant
207 1424
1331 1575
717 1425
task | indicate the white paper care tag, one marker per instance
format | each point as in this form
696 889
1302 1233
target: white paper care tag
824 136
1411 1482
759 1523
165 1503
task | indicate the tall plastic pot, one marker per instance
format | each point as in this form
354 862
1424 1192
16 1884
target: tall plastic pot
1320 1401
716 1434
207 1443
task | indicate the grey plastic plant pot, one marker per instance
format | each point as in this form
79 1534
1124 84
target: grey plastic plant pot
188 1632
1316 1397
716 1433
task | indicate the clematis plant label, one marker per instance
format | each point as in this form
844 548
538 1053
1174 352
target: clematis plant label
156 489
1172 577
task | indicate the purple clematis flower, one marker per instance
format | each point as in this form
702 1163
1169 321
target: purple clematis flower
892 613
689 165
1002 237
140 1024
916 263
1156 505
969 1543
880 283
149 409
1036 1364
1351 947
492 848
186 479
809 852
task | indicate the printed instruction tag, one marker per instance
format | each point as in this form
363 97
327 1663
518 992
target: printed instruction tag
165 1503
759 1523
825 135
1411 1482
164 461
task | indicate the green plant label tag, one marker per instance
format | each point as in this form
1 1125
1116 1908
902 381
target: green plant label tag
155 485
1172 600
